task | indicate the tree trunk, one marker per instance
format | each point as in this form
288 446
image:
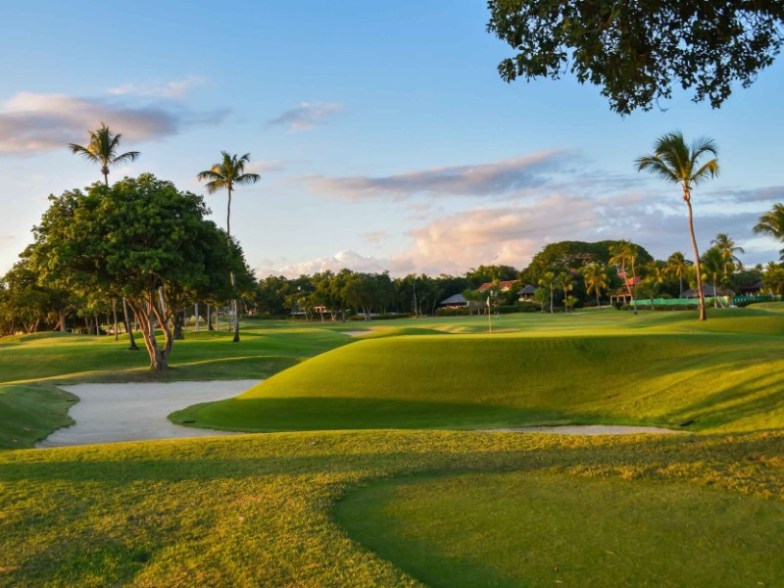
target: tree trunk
198 318
177 321
114 316
97 326
700 295
552 297
62 321
144 315
209 318
129 328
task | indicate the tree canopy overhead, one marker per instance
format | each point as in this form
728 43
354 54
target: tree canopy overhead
635 50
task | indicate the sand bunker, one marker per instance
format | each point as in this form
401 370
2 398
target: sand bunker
355 333
135 412
589 430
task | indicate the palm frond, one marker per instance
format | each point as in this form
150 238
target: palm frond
130 156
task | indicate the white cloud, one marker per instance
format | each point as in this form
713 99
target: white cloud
484 179
31 122
260 167
173 90
307 115
342 260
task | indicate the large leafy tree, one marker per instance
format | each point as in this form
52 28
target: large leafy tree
675 161
772 223
140 239
635 51
227 174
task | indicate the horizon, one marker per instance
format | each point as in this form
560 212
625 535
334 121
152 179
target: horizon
408 155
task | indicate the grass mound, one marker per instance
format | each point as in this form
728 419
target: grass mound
545 529
28 413
722 379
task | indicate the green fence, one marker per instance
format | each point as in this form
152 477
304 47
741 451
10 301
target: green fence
723 300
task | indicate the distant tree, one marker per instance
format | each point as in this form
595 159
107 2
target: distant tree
230 171
595 277
141 239
678 163
548 281
635 51
712 267
541 297
487 273
564 255
773 278
772 223
565 284
624 255
728 249
677 265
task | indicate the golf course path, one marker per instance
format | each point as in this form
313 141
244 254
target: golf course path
134 412
589 430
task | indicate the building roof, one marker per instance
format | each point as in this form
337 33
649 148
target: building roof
503 286
456 299
528 290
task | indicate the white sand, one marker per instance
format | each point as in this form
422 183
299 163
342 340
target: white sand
135 412
355 333
589 430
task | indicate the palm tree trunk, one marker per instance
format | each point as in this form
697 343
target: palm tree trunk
700 295
234 308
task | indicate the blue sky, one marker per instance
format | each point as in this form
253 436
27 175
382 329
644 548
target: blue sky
383 134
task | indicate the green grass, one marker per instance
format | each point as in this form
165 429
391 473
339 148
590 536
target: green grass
258 510
601 367
539 529
397 507
28 413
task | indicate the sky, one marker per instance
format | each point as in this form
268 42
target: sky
384 137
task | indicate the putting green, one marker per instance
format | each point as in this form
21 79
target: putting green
545 529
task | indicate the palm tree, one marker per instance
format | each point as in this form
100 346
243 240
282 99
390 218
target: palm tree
712 264
226 174
728 249
595 278
772 223
102 149
622 253
564 283
548 280
680 164
677 265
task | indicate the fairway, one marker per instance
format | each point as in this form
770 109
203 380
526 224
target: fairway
662 369
378 505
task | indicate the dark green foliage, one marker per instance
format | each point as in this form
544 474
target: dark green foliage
573 255
635 51
141 240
